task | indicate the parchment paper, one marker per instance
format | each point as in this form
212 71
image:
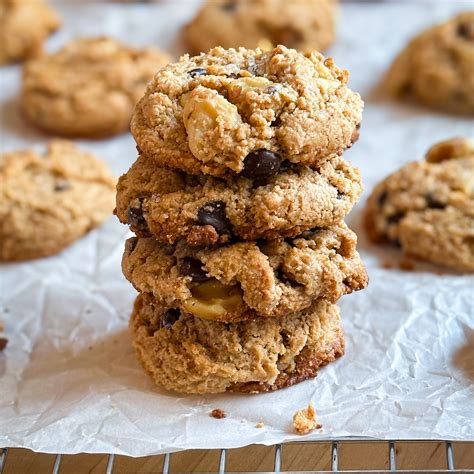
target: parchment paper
69 380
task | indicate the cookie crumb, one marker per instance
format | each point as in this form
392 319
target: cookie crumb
260 424
3 343
218 413
406 265
387 265
305 421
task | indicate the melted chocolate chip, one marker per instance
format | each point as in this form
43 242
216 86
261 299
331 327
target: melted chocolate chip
433 203
394 218
62 185
170 317
200 71
135 216
213 213
382 198
260 165
193 267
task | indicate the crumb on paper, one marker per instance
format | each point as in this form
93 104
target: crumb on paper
260 424
218 413
305 421
387 265
406 265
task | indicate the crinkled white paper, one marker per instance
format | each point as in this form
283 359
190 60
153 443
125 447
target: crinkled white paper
69 380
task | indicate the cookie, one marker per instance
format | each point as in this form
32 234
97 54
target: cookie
300 24
88 88
247 279
427 207
47 202
24 27
173 205
436 67
227 111
189 355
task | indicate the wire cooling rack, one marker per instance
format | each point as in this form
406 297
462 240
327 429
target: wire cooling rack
278 457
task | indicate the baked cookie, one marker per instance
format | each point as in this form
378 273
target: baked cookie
47 202
437 67
172 205
89 88
300 24
427 207
229 111
24 26
247 279
190 355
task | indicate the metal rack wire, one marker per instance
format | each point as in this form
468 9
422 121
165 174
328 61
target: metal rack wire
278 457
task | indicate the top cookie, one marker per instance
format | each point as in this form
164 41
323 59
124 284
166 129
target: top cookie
47 202
301 24
24 26
437 67
220 113
427 207
88 88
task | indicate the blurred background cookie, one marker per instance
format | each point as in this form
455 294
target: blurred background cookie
24 26
88 88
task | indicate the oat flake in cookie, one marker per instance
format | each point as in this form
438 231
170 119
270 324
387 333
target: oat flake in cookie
300 24
172 205
227 111
88 88
49 201
247 279
437 67
191 355
427 207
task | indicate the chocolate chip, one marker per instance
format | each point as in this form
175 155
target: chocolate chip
276 122
135 216
466 30
382 198
170 317
62 185
394 218
213 213
193 267
340 195
433 203
229 6
261 165
3 343
200 71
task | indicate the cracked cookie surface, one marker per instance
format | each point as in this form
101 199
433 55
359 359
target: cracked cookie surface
189 355
88 88
49 201
436 67
24 27
228 111
300 24
172 205
427 207
247 279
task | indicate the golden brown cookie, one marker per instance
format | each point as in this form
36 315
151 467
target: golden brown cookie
47 202
248 279
437 67
172 205
228 111
300 24
427 207
24 26
189 355
88 88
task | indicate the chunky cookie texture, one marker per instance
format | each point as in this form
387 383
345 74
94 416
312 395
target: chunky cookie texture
247 111
300 24
49 201
436 67
190 355
247 279
427 207
173 205
24 26
88 88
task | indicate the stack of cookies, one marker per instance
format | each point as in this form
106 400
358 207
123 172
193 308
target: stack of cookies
237 201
